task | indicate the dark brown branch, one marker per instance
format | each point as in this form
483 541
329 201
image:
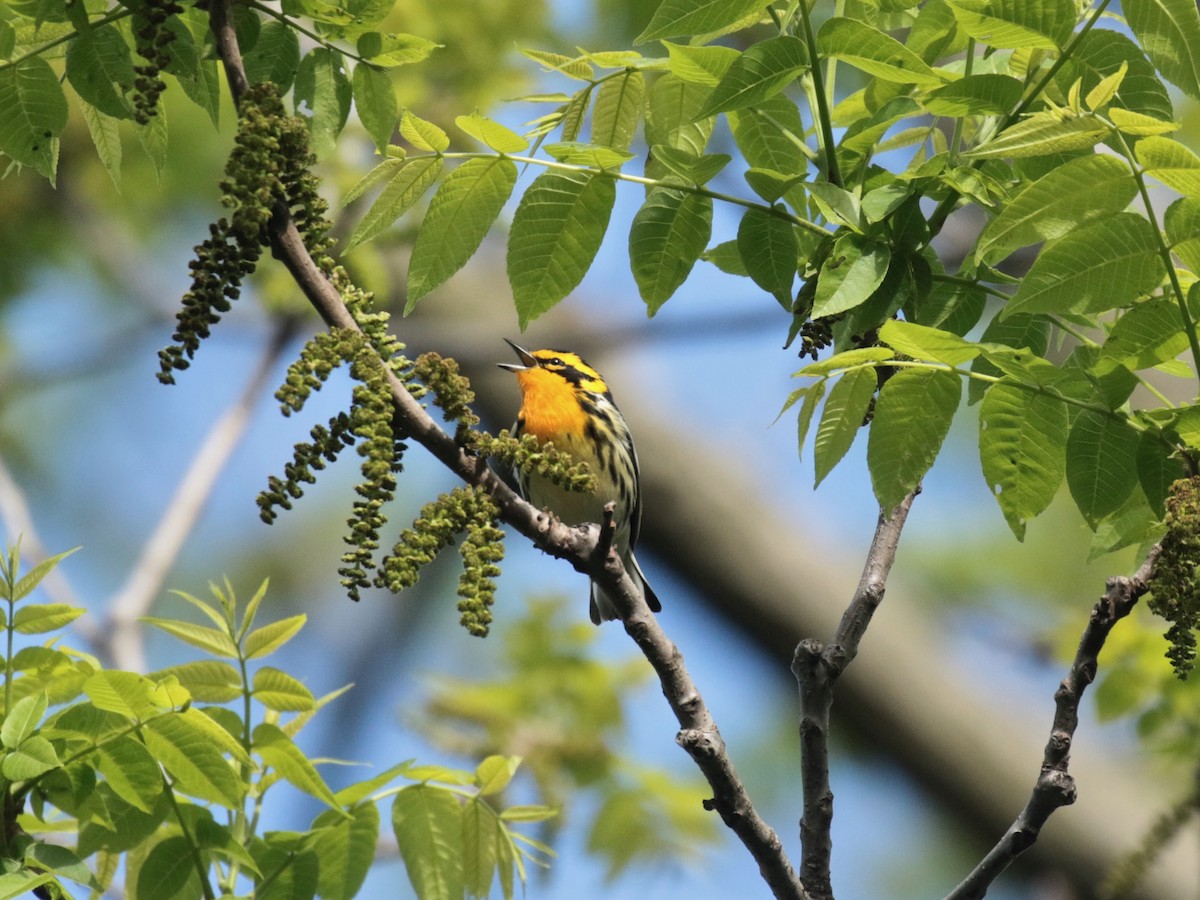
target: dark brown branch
578 545
817 669
1055 787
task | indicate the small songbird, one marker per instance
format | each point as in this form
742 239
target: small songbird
566 402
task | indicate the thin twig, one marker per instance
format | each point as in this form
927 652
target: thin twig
1055 787
698 732
120 641
817 668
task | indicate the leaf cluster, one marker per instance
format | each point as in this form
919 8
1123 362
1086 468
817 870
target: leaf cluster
169 773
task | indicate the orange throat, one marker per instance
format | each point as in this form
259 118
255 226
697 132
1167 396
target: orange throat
549 407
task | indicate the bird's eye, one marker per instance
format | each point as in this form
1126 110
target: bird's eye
555 361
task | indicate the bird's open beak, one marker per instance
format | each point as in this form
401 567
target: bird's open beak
529 360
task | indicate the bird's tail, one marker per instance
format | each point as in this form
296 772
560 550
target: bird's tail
603 609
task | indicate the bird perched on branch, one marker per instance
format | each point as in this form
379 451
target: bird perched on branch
567 403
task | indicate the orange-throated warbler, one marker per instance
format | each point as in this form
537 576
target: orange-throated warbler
566 402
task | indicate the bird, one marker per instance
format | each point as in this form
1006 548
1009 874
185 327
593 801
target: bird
567 403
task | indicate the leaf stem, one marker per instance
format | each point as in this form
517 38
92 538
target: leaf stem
777 211
821 113
114 16
1164 252
312 35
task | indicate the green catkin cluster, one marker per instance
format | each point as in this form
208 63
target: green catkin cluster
467 510
451 391
152 37
482 550
1174 585
526 454
268 170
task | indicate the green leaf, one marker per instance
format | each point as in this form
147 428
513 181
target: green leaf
375 101
843 416
874 52
124 693
409 179
1022 441
975 95
30 580
1146 335
812 396
45 617
1139 125
422 134
275 56
217 643
572 66
1019 331
676 18
492 134
689 166
479 847
1105 264
1044 25
279 691
23 719
106 137
395 49
1040 135
33 111
153 139
427 821
618 108
278 752
837 204
725 257
1182 224
698 64
579 154
359 791
131 772
495 773
346 848
851 273
528 813
100 68
912 418
1101 53
671 114
1158 467
845 360
769 248
324 92
195 762
556 232
35 756
168 872
62 862
666 238
1101 463
459 217
266 640
1078 191
923 342
203 87
1171 163
769 136
760 73
207 680
1169 31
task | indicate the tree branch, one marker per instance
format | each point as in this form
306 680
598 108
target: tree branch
1055 787
817 668
698 732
